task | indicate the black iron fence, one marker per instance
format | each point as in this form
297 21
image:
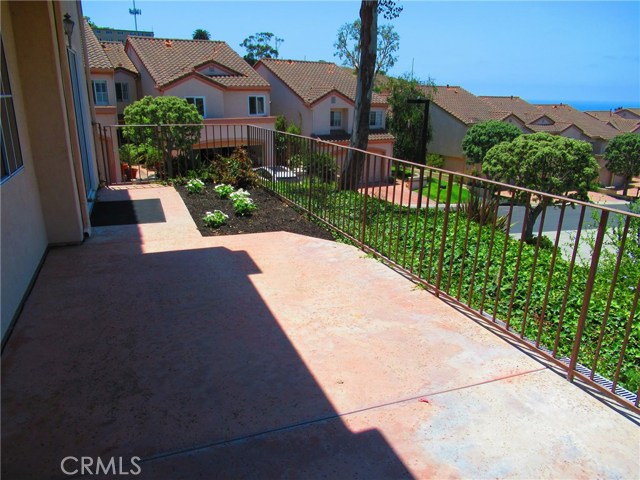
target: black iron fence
146 153
564 282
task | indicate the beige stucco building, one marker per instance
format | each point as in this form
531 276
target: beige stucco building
454 110
49 171
210 75
319 97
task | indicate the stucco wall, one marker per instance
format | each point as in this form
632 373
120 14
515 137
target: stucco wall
49 119
147 85
192 87
44 202
22 229
447 133
285 102
322 114
236 103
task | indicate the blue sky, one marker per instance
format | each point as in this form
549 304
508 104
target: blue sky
583 53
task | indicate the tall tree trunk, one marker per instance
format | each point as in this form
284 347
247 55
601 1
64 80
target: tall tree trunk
530 220
627 181
353 167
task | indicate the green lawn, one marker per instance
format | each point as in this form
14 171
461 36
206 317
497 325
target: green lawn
439 189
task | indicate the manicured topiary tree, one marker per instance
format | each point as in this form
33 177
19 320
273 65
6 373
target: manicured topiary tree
481 137
543 162
181 124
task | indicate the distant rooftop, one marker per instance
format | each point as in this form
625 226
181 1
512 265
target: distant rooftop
169 60
117 35
312 81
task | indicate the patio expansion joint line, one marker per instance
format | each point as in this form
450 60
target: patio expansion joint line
163 455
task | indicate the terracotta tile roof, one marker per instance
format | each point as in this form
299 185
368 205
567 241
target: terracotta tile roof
626 125
97 58
168 60
622 124
562 115
117 56
460 103
557 127
591 126
311 81
507 104
602 115
342 136
635 111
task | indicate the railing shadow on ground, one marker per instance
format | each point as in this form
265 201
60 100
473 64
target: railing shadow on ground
173 357
567 287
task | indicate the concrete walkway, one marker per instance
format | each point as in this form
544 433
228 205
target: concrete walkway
277 356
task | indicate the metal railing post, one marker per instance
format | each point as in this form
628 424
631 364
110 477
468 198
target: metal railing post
604 216
443 238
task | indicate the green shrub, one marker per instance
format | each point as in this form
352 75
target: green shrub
236 170
320 165
435 160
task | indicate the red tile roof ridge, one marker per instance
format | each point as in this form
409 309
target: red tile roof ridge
311 81
170 60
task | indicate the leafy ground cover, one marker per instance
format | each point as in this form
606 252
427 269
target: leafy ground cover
497 275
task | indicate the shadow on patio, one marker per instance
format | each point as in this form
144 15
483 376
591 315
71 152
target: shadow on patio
276 355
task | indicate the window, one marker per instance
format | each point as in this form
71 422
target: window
9 141
122 92
375 119
256 105
198 102
100 93
335 119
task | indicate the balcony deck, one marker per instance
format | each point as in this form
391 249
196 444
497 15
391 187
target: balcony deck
276 355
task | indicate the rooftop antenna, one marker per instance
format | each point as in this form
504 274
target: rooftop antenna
135 12
412 68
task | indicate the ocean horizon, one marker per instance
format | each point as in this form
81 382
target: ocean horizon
585 105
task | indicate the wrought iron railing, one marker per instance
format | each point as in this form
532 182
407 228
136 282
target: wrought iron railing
570 292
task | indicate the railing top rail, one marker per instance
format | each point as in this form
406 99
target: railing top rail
503 186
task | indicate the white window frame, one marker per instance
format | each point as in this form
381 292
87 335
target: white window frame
101 98
193 100
11 153
335 119
377 119
124 91
256 99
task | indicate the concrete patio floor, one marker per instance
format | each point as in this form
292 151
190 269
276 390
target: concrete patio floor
278 356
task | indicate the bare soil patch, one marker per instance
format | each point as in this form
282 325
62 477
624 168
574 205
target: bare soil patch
272 215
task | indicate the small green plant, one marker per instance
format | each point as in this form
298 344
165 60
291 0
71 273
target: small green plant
223 190
484 212
195 185
215 219
240 193
244 206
